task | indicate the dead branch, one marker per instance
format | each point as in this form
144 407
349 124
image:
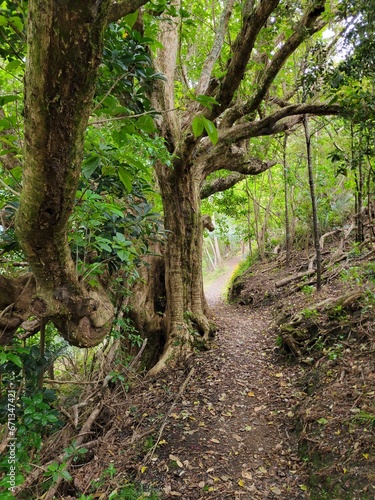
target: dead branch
295 277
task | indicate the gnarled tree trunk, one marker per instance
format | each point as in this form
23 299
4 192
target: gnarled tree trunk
186 322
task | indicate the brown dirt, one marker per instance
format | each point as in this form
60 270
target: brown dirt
226 436
235 420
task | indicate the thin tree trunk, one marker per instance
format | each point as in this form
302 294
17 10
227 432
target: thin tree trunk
248 217
359 217
313 204
286 199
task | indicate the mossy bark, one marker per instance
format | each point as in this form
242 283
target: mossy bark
64 51
185 321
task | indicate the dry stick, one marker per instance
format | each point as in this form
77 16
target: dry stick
150 454
136 359
72 382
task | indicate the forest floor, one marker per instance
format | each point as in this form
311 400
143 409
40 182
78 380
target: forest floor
243 420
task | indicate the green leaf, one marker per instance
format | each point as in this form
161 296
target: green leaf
133 162
197 126
65 474
12 66
131 19
14 359
90 165
125 178
322 421
206 101
211 130
4 99
146 123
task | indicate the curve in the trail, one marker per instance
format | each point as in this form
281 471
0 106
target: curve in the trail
215 289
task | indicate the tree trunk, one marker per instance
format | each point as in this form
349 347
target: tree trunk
314 207
185 321
64 49
286 199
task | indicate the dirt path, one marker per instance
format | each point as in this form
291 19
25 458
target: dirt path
215 289
228 436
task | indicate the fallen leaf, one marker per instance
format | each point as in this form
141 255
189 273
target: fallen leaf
251 394
278 375
143 469
162 441
177 460
213 440
247 475
175 494
202 484
275 490
237 437
241 483
225 478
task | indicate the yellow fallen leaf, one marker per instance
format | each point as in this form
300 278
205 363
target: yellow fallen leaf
143 469
251 394
241 483
366 455
303 487
278 375
162 441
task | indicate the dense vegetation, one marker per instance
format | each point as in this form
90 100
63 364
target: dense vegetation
138 147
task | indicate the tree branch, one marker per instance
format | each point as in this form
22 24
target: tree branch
270 125
220 184
309 24
121 8
215 50
253 22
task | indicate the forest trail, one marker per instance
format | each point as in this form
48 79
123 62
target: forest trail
227 437
214 290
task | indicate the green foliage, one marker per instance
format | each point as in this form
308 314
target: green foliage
308 290
32 409
309 313
201 123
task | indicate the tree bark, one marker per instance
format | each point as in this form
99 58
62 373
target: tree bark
185 322
314 206
64 49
